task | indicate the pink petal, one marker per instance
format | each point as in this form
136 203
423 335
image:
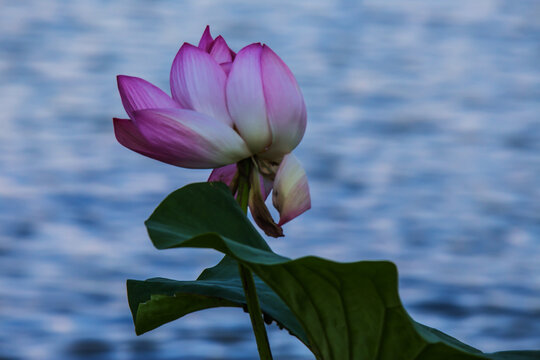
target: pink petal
206 40
220 51
226 67
266 186
128 135
193 139
138 94
291 191
198 83
224 174
245 98
284 105
227 174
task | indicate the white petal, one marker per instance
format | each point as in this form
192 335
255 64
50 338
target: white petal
290 195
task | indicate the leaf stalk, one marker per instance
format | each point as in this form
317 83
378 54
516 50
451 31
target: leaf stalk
250 291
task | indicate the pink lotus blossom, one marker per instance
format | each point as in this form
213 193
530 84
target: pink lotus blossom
225 108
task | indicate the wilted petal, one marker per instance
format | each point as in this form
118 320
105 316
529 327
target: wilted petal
284 104
129 135
291 191
138 94
206 40
260 213
245 98
198 83
268 170
193 139
220 51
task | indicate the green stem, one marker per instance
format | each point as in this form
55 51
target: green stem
248 283
255 313
243 192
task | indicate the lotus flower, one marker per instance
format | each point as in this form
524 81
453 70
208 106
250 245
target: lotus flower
225 108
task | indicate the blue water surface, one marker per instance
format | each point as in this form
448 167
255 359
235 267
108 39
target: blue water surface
423 147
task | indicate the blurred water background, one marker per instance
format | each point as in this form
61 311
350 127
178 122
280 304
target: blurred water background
422 148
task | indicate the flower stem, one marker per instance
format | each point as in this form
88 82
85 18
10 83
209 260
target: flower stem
243 189
246 276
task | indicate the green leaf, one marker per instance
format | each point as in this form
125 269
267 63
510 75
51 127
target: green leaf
198 209
339 310
193 210
157 301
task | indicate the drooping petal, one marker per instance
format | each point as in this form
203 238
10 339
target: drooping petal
206 40
138 94
245 98
193 139
129 135
260 213
198 83
220 51
291 190
284 105
224 174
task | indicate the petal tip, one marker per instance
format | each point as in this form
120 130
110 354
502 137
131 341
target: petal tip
206 39
289 216
187 47
122 79
220 51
